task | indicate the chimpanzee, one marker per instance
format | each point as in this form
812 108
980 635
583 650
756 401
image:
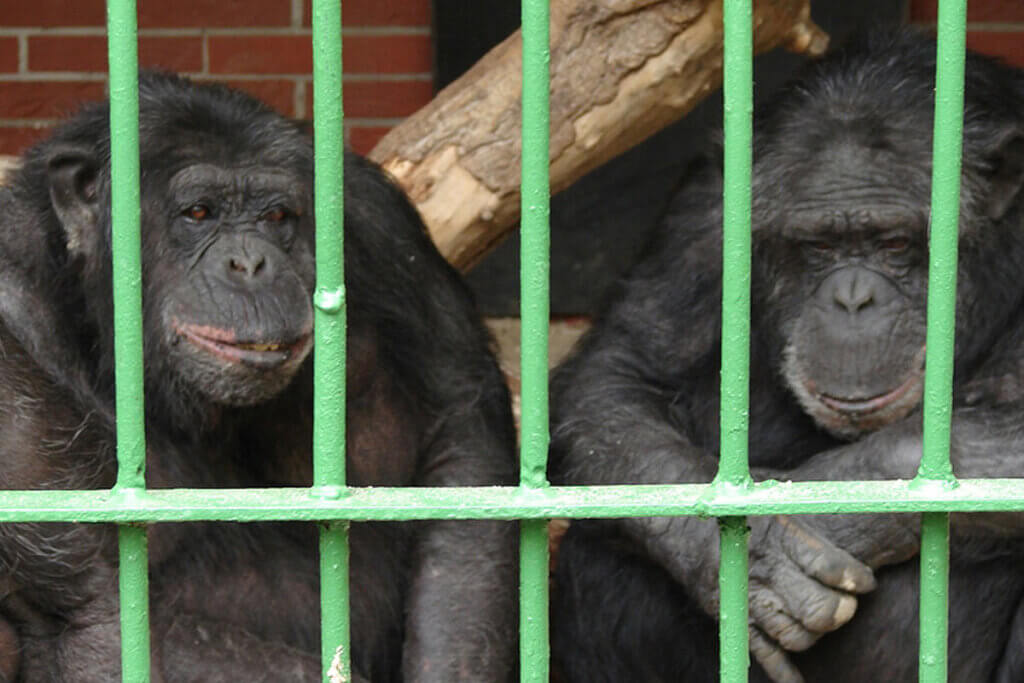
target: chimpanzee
842 165
228 273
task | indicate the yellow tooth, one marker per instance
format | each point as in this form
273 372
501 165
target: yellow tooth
261 347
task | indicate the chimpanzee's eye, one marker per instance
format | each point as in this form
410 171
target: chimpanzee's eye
276 214
820 246
895 244
197 212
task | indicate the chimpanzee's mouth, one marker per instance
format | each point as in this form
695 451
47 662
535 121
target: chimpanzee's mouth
262 355
870 405
910 387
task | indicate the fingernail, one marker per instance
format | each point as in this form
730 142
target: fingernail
845 610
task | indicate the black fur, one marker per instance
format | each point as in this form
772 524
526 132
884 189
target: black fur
427 406
842 165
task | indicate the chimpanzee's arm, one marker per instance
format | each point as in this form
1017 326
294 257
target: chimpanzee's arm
185 648
461 609
987 442
614 429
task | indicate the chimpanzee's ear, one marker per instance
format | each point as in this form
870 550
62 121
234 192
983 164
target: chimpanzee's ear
1007 175
74 192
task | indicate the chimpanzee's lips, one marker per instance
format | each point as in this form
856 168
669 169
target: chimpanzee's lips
264 355
864 406
870 405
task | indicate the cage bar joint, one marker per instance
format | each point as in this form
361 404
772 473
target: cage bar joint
328 492
329 300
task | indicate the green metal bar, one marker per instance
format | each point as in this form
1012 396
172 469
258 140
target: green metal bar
738 135
733 467
133 581
334 600
122 47
535 268
329 299
533 611
934 627
329 330
535 315
126 242
947 147
511 502
734 654
944 233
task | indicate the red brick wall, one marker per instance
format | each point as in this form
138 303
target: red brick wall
995 27
53 57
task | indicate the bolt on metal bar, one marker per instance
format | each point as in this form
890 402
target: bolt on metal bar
329 330
733 468
947 145
133 579
535 305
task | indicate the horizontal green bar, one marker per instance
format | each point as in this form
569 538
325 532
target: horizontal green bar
364 504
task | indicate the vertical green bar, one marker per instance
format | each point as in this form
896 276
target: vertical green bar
534 282
127 287
533 610
738 134
733 469
734 651
329 326
133 581
945 218
126 241
934 627
944 234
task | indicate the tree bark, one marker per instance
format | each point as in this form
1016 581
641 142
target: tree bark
620 71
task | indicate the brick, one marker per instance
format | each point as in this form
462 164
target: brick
89 53
403 54
46 99
214 13
364 138
8 55
260 54
977 10
174 54
16 139
274 54
279 94
380 13
381 99
16 13
1008 45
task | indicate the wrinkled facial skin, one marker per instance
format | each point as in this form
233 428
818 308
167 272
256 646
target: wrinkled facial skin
231 280
853 352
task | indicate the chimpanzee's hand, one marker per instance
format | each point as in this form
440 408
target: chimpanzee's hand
801 587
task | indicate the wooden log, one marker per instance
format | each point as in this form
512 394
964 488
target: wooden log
620 71
7 164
